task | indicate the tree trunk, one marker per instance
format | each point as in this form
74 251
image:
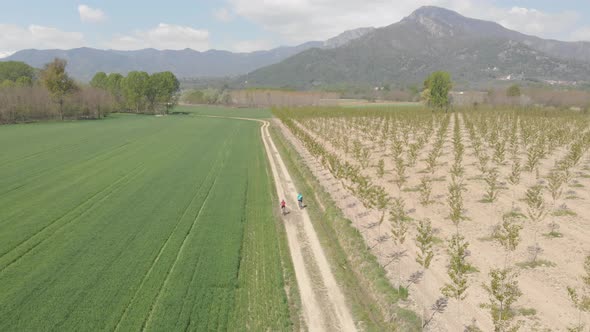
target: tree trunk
61 109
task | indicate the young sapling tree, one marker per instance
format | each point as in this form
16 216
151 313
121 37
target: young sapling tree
580 297
503 292
380 168
455 200
424 242
425 190
493 187
400 169
500 152
381 203
457 270
555 182
507 234
399 227
413 154
514 177
503 289
536 213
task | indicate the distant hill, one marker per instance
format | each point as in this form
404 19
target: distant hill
430 39
84 62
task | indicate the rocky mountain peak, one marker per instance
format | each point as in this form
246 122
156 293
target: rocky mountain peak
441 22
435 13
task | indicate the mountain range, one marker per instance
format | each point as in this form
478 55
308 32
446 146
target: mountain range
476 52
84 62
432 38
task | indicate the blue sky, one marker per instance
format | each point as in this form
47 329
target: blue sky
246 25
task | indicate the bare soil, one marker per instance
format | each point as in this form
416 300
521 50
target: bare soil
543 287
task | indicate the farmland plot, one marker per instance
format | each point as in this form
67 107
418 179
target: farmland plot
462 181
138 222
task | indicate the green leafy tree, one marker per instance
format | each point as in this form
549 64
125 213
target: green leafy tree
7 84
135 87
163 89
113 85
99 80
58 82
24 81
13 70
438 85
425 96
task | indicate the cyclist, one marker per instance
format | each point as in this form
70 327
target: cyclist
283 207
300 200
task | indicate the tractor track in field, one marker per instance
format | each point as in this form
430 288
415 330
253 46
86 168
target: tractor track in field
54 149
220 161
147 321
155 261
32 178
106 154
323 304
91 283
115 186
161 251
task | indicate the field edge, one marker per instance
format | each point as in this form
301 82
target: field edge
289 279
345 249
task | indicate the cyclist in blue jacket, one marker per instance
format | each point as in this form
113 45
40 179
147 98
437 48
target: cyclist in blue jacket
300 200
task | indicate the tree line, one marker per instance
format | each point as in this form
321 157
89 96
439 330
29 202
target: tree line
30 94
16 74
140 92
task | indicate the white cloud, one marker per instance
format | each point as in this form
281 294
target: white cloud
223 15
535 22
303 20
251 45
89 14
581 34
163 36
5 54
14 38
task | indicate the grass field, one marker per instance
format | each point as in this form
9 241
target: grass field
252 113
139 222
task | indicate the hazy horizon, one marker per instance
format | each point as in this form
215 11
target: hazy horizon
246 26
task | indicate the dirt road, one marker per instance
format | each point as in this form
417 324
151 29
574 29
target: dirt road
323 303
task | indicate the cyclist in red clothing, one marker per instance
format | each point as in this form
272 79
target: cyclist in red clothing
283 207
